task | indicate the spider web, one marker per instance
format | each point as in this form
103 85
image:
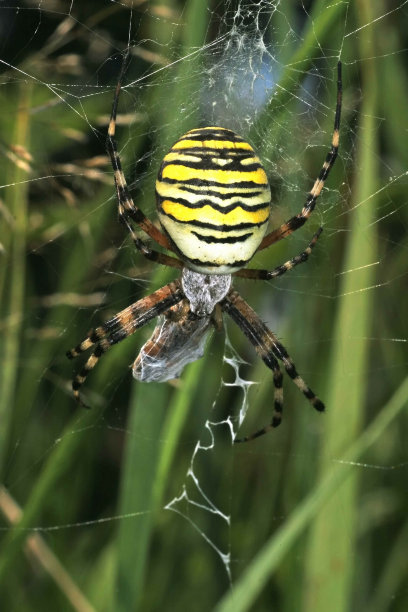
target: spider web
265 69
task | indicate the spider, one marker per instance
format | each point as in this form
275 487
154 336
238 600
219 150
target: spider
213 200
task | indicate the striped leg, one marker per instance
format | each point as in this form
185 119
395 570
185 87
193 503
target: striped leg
128 212
279 270
298 220
269 349
121 326
277 401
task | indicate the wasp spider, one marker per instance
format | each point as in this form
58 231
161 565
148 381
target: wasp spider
213 201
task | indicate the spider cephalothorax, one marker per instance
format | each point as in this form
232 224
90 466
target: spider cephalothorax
213 201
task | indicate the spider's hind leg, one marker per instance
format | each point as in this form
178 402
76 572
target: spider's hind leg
269 349
80 378
277 401
129 213
122 325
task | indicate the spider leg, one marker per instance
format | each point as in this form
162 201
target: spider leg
128 211
298 220
122 325
277 402
279 270
269 349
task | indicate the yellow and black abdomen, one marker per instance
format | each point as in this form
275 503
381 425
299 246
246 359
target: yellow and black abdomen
213 200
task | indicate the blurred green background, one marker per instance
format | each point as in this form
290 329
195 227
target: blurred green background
312 516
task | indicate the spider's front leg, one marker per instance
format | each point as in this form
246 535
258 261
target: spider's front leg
300 219
121 326
129 213
269 349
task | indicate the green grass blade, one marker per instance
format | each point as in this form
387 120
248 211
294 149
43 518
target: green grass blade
140 464
394 575
14 268
178 411
332 538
